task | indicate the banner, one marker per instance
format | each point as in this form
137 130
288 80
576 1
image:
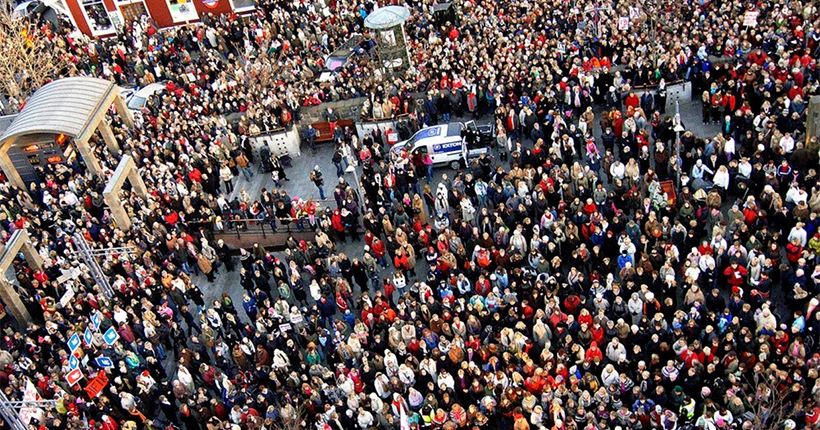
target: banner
96 385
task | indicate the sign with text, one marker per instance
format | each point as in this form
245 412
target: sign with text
750 18
96 385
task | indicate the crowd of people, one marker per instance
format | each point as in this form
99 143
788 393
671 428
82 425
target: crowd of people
562 284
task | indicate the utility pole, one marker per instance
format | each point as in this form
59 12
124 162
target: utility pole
90 255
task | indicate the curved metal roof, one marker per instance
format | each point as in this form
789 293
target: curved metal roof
65 107
386 17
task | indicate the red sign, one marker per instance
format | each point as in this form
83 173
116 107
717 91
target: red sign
211 4
74 376
96 385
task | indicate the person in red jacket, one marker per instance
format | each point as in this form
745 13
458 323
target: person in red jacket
338 225
379 251
632 100
735 275
794 251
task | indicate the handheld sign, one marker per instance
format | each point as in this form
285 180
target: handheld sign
74 376
111 336
88 336
73 362
96 320
104 362
97 384
750 18
73 342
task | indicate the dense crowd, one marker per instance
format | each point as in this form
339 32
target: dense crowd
561 284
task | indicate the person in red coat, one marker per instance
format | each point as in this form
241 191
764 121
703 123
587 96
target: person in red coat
735 275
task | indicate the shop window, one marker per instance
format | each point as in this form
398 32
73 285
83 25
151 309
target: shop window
97 17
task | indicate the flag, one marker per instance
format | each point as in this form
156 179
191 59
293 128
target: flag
404 423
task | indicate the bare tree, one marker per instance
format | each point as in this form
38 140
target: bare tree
773 398
293 417
30 57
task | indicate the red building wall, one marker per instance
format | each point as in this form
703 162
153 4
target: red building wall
79 18
221 7
157 9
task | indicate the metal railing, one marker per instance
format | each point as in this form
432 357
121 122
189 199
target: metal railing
264 226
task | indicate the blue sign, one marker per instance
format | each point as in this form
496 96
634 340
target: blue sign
73 362
88 336
447 147
74 342
104 362
95 320
111 336
428 132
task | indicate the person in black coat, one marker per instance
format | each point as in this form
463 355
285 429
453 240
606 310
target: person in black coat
189 418
224 254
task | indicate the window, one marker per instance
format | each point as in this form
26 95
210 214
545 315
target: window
182 10
97 17
241 5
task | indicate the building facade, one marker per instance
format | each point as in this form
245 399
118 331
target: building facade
104 18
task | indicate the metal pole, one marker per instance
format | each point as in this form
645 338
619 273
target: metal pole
9 410
352 169
89 257
678 129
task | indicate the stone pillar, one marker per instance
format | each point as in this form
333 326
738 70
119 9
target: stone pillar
13 302
123 112
9 169
19 242
118 212
88 156
108 136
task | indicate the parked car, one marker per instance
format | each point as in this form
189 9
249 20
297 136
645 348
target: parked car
48 10
137 99
447 144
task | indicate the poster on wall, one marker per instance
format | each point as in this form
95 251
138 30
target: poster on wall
182 10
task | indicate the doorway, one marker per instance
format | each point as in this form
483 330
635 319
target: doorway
133 12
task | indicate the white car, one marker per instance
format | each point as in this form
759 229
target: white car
137 99
445 144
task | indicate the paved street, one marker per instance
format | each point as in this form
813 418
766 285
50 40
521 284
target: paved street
300 186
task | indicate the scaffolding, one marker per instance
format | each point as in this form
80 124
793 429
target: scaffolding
10 410
90 256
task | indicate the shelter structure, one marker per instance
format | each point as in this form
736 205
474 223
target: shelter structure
387 27
59 118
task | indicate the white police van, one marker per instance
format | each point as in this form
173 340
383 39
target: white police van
445 143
